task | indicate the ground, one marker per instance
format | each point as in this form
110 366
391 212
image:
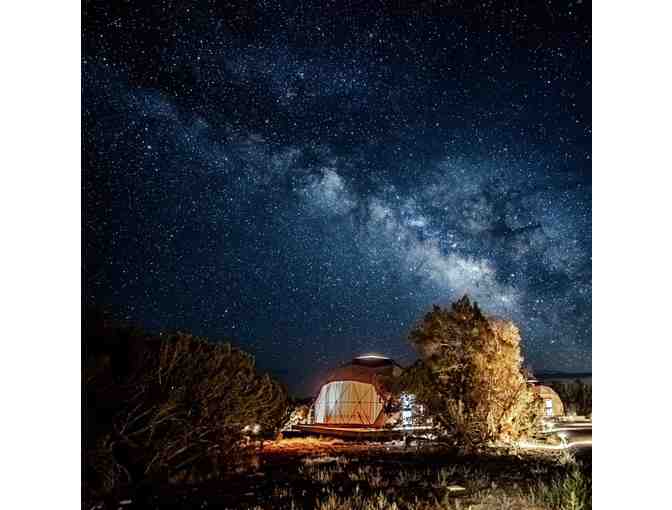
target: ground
312 473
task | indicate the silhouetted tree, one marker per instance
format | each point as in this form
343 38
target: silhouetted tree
576 396
170 406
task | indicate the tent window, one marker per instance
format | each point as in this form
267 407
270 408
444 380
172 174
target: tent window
549 407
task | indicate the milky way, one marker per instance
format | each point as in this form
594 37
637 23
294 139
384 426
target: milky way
310 180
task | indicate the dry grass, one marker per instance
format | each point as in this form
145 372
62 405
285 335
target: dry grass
320 473
571 492
549 482
373 476
404 481
341 461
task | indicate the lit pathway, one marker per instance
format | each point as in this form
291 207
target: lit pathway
573 435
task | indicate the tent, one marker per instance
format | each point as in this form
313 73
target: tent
552 404
351 396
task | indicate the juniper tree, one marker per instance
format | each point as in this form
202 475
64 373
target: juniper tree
173 405
470 375
576 396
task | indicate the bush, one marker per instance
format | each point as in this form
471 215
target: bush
298 415
573 491
577 397
168 407
470 376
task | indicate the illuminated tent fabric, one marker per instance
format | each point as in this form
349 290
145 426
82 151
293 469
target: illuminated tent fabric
350 395
348 402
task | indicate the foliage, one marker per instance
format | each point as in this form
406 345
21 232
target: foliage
169 406
298 415
573 491
470 377
569 490
577 397
364 479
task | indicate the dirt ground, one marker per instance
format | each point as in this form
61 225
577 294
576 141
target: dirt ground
324 474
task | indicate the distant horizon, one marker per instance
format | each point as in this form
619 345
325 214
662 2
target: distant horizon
300 385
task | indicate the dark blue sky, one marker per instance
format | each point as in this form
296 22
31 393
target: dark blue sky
309 180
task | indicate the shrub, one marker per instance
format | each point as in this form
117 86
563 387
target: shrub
573 491
171 406
298 415
470 376
577 397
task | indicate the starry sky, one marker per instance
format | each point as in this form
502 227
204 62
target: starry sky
309 178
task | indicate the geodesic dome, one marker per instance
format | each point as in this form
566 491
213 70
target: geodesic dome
350 395
552 404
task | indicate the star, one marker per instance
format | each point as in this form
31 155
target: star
310 188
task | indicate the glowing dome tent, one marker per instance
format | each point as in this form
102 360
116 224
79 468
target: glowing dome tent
351 396
552 404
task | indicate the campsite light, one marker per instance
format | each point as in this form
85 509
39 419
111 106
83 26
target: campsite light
252 429
371 356
407 401
563 438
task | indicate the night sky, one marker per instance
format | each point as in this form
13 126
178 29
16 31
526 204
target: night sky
309 179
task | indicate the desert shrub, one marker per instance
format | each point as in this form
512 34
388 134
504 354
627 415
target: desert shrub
298 414
470 376
566 458
572 491
170 407
577 397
